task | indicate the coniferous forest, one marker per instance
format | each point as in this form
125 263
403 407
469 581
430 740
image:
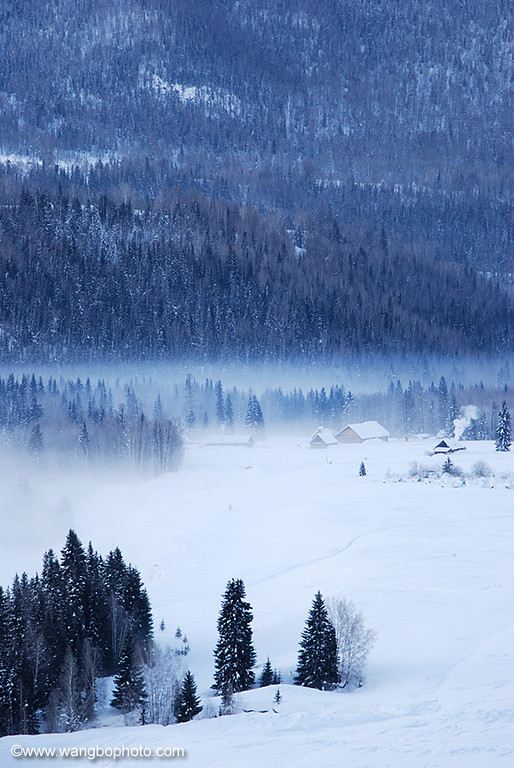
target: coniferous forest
141 425
290 183
64 628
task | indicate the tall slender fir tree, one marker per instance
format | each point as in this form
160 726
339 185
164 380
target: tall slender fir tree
317 660
234 653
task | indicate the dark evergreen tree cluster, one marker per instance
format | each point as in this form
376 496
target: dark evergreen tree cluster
201 279
234 654
82 618
82 419
395 115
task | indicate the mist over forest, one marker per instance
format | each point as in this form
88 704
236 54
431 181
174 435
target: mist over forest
256 381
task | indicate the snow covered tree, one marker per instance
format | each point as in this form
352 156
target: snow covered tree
162 675
74 579
188 704
220 403
69 696
36 440
353 640
254 418
227 706
453 413
129 684
278 697
5 665
362 469
317 660
447 468
84 440
234 653
503 429
266 675
229 411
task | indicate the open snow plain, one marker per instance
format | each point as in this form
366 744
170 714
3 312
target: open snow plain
430 564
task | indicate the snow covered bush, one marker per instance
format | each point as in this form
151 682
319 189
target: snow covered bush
420 471
481 469
353 640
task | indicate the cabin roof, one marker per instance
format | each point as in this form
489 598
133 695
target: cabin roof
367 430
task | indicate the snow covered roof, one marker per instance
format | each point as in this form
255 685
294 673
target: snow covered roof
325 435
367 430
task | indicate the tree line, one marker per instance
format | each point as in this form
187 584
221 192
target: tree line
140 424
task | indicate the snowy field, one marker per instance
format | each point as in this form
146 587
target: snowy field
430 564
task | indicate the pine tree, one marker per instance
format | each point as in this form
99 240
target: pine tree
229 411
317 660
254 419
503 429
234 653
453 413
36 439
5 667
220 405
362 469
266 675
137 607
129 685
53 624
278 697
74 579
188 704
84 440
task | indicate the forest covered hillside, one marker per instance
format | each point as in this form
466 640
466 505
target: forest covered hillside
255 177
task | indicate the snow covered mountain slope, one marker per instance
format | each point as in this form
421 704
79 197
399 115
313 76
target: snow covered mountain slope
430 564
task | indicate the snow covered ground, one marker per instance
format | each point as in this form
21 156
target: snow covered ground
431 566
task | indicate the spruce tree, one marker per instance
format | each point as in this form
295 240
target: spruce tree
229 411
220 404
188 704
74 579
234 653
84 440
5 667
254 418
317 660
277 677
362 469
53 625
266 675
129 684
503 429
36 440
